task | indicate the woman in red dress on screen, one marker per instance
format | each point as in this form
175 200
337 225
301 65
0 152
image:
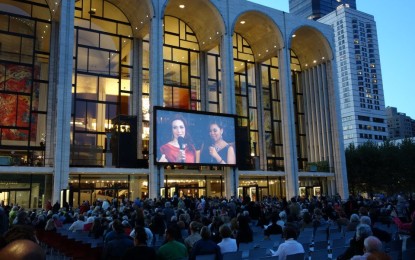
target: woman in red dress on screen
180 149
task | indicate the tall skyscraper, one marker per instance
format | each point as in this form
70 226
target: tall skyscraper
315 9
358 69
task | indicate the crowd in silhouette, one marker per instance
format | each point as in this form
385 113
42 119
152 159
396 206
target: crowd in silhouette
185 228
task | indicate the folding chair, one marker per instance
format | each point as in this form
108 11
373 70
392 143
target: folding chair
299 256
408 254
319 255
393 245
340 242
245 246
232 255
320 245
258 252
269 258
206 257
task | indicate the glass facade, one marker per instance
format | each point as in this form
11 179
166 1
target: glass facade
93 187
101 86
113 91
25 190
315 9
181 66
24 74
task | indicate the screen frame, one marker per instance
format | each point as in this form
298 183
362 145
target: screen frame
187 113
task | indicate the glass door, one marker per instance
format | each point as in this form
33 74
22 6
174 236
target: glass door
20 197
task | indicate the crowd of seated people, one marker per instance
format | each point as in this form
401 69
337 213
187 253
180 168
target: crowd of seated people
190 226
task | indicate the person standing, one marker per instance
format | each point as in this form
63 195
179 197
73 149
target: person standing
4 221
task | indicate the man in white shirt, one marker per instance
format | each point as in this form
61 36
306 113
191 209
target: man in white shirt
290 246
227 244
78 224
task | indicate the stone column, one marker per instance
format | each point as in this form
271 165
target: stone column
63 98
156 177
228 104
288 124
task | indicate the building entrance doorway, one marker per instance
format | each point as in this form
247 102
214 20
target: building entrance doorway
19 197
193 191
307 191
252 191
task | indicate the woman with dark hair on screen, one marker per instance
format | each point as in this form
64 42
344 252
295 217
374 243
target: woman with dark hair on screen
180 149
219 151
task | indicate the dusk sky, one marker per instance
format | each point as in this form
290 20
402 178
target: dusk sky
396 36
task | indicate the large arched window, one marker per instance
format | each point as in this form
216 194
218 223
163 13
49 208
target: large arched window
246 92
214 91
300 126
181 66
24 70
101 84
272 114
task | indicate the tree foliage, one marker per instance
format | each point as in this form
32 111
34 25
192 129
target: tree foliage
388 168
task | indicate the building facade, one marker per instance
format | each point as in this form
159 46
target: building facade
80 79
400 125
315 9
359 75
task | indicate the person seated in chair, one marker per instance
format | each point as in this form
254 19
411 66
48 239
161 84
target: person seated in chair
356 244
372 245
205 246
290 246
274 228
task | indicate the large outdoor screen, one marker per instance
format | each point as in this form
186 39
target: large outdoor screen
197 138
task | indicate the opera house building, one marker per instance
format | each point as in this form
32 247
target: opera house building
91 92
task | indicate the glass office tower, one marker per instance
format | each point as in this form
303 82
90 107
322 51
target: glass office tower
358 67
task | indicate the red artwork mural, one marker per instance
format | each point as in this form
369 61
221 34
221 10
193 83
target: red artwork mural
15 89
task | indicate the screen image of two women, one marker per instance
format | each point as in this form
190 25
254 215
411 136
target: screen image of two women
181 149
